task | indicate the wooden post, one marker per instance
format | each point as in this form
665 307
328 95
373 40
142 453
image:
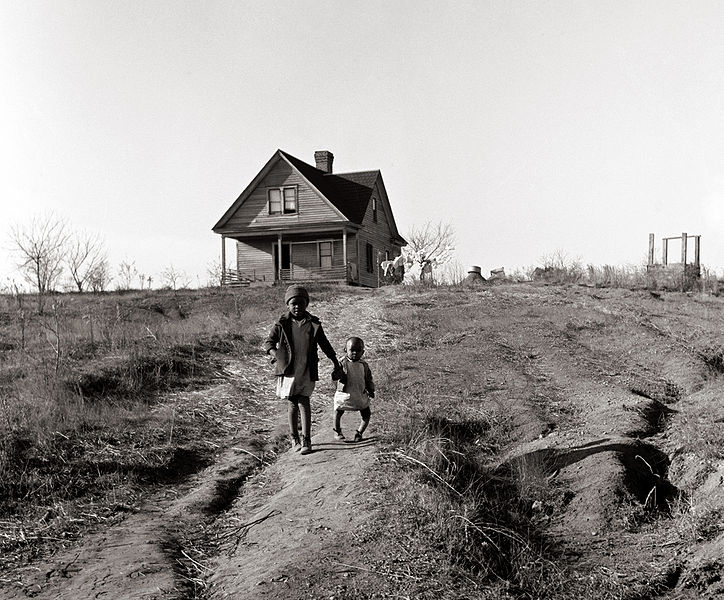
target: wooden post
651 249
697 240
665 256
683 249
344 254
223 259
279 257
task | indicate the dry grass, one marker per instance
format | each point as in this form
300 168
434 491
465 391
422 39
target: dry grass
82 432
80 420
485 527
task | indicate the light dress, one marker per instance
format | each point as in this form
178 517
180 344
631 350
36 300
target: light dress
352 395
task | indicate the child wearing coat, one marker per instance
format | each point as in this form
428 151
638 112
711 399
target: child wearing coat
292 347
355 387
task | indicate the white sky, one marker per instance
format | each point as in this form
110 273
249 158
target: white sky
531 127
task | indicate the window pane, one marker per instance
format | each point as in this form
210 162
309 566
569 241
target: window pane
290 200
325 254
275 201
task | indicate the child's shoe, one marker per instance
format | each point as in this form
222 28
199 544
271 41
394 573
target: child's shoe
296 444
357 436
306 446
338 435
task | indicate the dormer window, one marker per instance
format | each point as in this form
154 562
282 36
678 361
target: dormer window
282 201
374 209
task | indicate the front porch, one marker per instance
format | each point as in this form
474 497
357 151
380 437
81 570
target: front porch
328 256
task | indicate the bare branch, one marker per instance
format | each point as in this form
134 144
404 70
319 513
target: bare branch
429 246
85 253
41 246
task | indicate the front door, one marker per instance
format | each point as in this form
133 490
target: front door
286 261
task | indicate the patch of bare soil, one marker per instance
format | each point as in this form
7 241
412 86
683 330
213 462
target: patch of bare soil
613 399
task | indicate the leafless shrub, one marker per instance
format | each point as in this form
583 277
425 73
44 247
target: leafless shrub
99 277
626 276
86 254
174 279
127 274
42 245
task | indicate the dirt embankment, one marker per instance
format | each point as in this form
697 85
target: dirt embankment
614 415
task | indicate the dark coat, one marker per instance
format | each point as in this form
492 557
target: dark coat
280 339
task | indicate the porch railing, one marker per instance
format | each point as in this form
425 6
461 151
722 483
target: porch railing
298 273
234 277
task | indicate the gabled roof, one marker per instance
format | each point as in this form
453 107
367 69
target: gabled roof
349 193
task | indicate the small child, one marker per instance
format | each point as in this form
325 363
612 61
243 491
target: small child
292 345
355 387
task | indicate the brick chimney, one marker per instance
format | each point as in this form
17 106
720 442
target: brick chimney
324 159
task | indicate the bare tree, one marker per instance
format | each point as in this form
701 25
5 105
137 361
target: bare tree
174 278
99 277
215 272
127 273
452 273
428 247
41 245
85 253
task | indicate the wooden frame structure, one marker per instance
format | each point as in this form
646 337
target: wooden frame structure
683 275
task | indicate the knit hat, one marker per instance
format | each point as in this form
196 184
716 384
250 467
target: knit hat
294 291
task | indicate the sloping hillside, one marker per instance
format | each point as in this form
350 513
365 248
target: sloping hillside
526 442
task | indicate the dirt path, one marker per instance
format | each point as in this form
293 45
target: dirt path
149 554
298 516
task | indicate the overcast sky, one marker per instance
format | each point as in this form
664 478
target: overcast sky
531 127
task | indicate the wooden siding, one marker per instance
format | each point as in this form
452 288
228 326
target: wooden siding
254 212
253 257
378 234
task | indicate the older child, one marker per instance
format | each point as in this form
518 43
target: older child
292 345
355 387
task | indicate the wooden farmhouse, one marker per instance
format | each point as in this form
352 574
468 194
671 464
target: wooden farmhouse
296 222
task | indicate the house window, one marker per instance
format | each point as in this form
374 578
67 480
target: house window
290 200
374 209
325 255
370 259
282 201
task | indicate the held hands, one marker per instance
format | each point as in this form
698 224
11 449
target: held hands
272 356
337 372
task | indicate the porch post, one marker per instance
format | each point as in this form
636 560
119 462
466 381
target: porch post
344 253
279 257
223 259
